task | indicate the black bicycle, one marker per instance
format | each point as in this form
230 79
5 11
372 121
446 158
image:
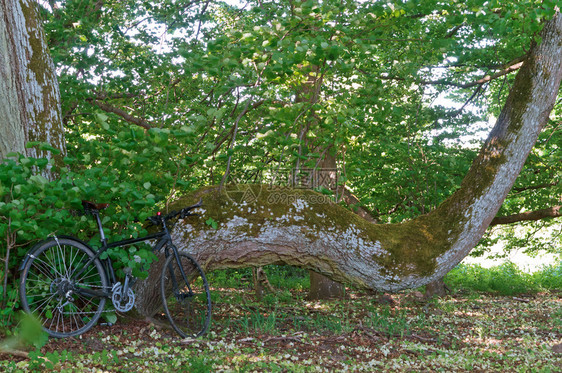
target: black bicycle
65 283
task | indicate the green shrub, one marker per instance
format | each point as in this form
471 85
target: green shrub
287 277
549 277
239 278
279 276
33 208
506 279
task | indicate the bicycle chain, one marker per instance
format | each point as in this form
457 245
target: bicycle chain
105 310
92 312
86 313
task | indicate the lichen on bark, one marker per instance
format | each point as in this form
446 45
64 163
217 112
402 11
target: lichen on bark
29 91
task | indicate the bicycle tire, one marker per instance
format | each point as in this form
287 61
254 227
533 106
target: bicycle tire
187 305
48 291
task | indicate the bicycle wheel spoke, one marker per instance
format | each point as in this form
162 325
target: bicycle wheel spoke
63 258
42 305
93 276
87 301
51 324
73 318
43 267
48 291
78 264
51 295
50 262
38 280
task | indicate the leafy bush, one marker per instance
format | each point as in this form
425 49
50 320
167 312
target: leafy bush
231 278
33 207
550 277
279 276
287 277
41 197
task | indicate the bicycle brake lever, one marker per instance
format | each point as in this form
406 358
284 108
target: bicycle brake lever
153 220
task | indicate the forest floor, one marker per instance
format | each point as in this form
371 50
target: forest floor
364 332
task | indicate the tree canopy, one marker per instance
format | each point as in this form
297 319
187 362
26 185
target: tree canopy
217 84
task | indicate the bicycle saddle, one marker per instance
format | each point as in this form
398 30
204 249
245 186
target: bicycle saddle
94 206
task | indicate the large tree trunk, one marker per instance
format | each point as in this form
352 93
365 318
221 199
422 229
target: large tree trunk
300 228
322 287
29 94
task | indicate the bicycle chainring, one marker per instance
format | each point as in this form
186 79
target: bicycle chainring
120 302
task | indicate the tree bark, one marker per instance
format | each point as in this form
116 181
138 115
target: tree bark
300 228
436 288
30 107
322 287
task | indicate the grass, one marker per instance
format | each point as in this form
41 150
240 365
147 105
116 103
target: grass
469 330
280 276
506 279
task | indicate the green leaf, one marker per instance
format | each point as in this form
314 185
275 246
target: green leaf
110 317
38 179
212 223
102 120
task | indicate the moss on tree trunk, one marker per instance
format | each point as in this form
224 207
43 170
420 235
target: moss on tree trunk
29 93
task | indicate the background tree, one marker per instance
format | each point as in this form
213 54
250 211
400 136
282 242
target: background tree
29 92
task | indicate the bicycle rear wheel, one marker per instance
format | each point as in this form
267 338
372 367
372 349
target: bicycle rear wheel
185 296
49 292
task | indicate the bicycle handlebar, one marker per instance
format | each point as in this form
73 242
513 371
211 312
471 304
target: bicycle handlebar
158 219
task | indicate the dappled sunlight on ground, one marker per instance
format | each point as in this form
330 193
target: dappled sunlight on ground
464 332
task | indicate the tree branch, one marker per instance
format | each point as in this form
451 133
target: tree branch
551 212
467 101
511 66
356 206
535 187
122 113
100 95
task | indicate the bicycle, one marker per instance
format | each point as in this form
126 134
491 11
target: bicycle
65 283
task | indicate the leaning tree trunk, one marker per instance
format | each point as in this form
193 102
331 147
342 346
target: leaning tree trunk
29 93
300 228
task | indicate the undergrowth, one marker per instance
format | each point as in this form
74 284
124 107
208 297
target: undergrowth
505 279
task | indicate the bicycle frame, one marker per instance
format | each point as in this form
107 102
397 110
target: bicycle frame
66 282
163 239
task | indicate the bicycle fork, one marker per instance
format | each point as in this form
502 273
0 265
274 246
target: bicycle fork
175 284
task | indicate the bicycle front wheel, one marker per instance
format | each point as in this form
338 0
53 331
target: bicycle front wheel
185 296
63 304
